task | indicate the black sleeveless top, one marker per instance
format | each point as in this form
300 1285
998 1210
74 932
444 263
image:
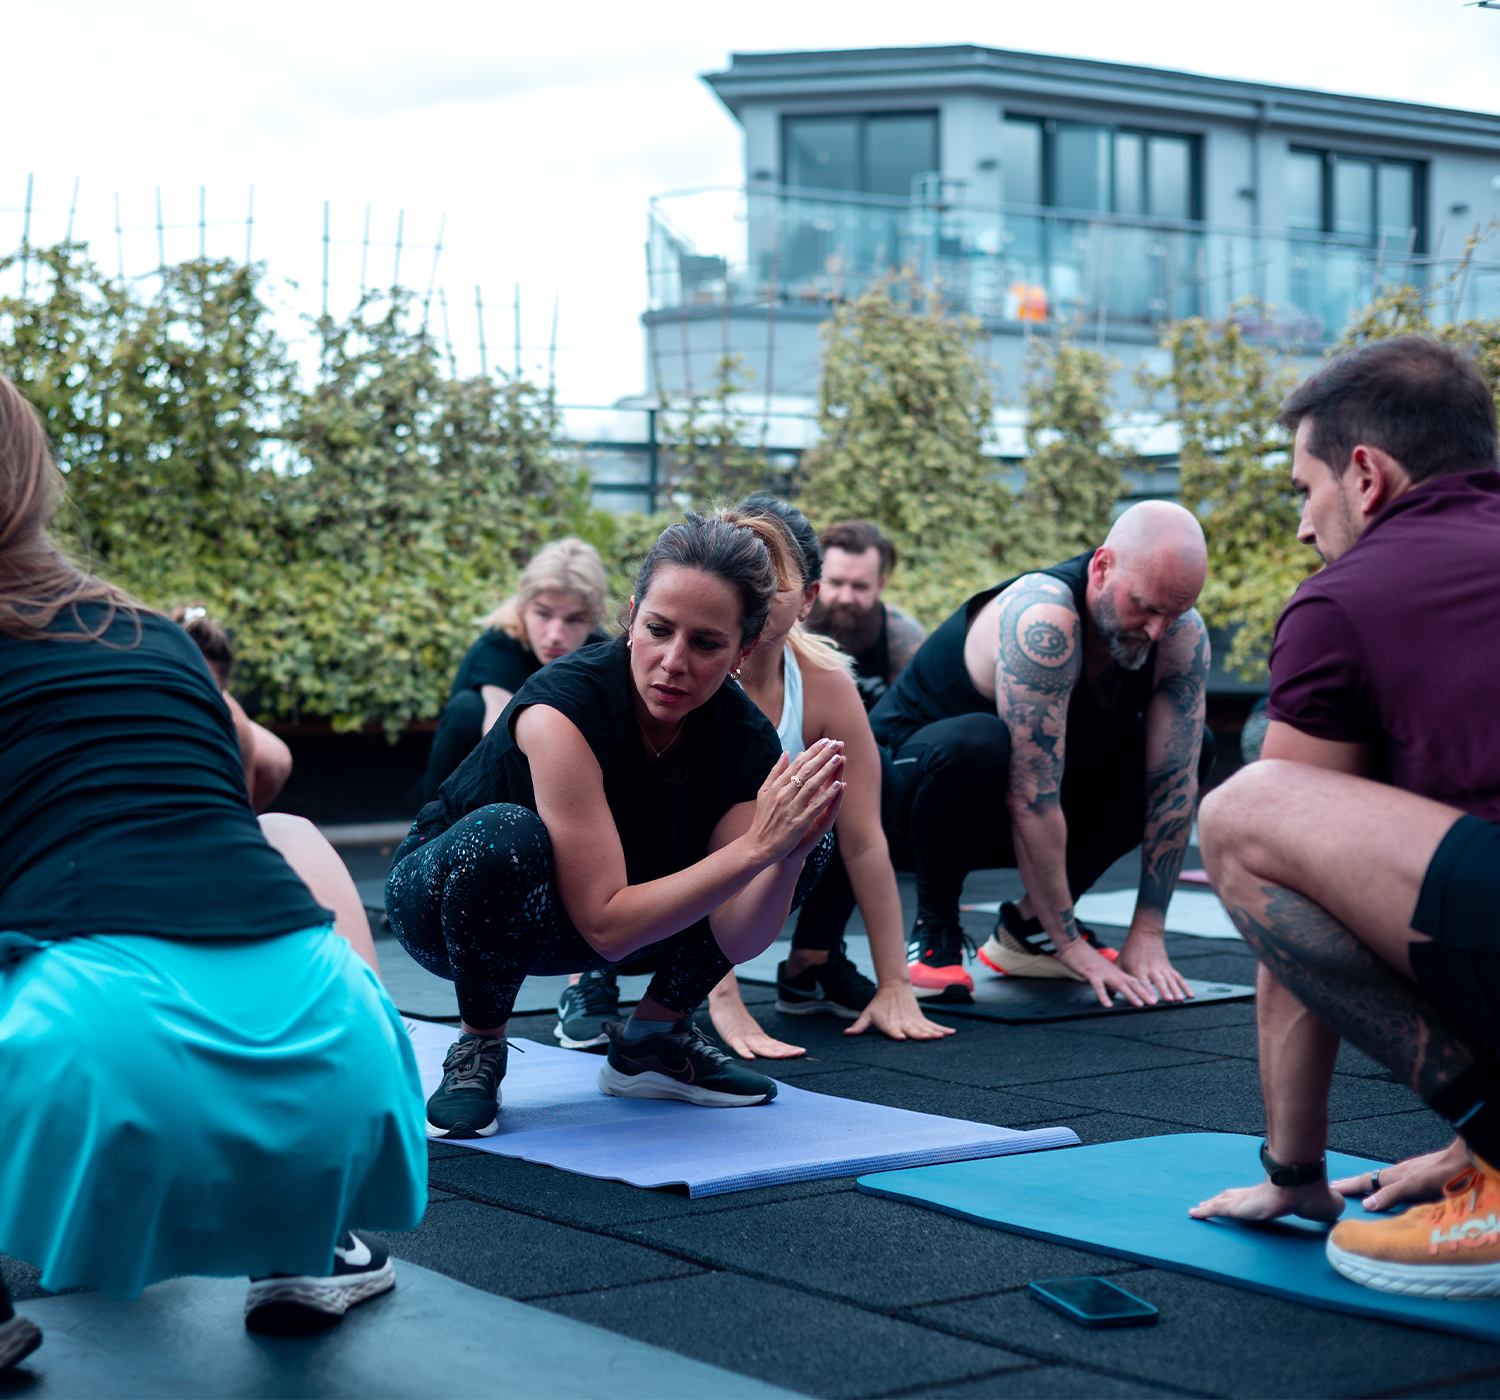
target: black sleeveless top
122 794
936 684
728 747
872 665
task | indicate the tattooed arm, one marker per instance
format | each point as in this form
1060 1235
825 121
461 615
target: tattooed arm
1174 735
903 636
1037 664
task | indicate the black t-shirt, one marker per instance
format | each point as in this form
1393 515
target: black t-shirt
122 795
728 747
499 659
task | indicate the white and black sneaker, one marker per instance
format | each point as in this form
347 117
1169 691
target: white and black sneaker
682 1063
1022 948
19 1336
832 988
289 1305
583 1010
467 1103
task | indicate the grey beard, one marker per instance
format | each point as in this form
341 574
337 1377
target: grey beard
1128 653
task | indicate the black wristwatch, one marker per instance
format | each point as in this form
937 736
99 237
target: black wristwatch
1303 1174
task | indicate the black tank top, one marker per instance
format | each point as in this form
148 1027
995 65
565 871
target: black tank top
936 684
873 665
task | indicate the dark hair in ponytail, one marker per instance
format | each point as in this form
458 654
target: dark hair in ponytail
762 503
754 555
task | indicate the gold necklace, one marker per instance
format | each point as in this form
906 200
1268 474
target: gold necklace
657 753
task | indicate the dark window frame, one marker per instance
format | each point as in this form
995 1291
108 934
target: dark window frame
1049 127
861 118
1330 158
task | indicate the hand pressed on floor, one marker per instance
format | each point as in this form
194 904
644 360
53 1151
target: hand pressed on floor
739 1030
895 1011
1267 1202
1144 957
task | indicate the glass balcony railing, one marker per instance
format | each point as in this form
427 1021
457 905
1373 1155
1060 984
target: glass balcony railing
1013 264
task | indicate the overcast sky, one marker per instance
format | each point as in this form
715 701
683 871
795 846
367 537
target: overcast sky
542 130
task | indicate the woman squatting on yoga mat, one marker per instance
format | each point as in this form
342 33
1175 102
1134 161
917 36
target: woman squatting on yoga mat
802 683
557 607
628 800
200 1076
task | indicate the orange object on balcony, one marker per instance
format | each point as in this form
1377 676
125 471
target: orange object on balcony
1026 301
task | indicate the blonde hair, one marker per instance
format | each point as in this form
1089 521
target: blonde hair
564 566
37 580
820 652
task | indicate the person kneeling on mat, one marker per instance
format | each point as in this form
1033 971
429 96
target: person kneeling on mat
1372 904
200 1075
1054 723
629 799
557 607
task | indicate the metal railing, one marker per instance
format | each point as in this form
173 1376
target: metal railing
1015 264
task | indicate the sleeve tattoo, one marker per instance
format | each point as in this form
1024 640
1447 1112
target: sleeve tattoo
904 636
1174 736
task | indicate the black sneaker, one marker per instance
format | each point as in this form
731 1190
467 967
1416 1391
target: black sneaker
1021 948
19 1336
289 1305
682 1063
935 961
467 1103
835 987
583 1009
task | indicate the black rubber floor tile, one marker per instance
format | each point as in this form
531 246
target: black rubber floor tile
879 1253
1220 1340
1240 1042
811 1345
1042 1383
921 1094
1119 1127
1221 1096
1481 1387
1392 1137
1181 1018
552 1194
25 1280
518 1256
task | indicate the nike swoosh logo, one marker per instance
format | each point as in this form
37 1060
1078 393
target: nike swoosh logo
685 1068
357 1257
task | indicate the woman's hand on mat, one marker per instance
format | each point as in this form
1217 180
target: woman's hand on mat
739 1030
895 1011
1144 957
1105 977
1416 1179
798 802
1267 1202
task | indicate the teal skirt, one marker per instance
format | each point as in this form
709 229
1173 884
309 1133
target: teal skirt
223 1107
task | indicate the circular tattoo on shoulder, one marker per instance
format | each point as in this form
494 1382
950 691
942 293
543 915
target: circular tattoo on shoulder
1045 641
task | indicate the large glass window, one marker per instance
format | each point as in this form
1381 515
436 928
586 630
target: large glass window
1358 198
870 153
1021 161
1169 168
1080 167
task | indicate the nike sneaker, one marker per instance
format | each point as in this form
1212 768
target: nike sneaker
19 1336
289 1305
467 1103
583 1009
935 961
681 1063
1449 1249
832 988
1022 948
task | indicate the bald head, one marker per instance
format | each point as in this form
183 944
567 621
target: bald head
1147 573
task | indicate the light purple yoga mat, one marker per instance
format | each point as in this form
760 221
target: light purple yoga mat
554 1113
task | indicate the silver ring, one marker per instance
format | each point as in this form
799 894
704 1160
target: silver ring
796 781
1374 1182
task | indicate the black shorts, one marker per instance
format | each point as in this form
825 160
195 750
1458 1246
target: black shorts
1459 909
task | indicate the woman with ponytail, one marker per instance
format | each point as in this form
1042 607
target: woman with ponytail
630 800
198 1075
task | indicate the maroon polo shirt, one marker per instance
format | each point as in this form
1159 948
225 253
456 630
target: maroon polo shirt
1396 644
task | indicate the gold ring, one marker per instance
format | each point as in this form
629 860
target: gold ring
796 781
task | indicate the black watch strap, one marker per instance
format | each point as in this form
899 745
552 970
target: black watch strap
1303 1174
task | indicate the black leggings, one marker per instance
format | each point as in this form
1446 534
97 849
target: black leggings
459 730
478 905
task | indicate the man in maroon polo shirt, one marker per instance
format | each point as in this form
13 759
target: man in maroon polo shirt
1361 858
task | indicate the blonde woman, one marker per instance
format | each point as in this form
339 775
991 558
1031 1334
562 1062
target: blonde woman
556 608
802 684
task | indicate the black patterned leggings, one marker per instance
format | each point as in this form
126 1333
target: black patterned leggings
478 905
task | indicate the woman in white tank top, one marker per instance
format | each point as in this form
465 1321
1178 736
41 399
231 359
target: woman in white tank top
802 683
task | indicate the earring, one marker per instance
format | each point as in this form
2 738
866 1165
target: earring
735 673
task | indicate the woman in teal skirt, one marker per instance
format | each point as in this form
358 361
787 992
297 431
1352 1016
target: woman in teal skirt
198 1075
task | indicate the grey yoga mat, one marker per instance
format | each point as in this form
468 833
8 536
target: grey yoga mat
1131 1199
554 1113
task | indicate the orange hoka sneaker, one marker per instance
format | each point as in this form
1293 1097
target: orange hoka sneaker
935 961
1449 1249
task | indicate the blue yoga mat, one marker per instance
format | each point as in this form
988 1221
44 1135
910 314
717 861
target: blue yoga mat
1131 1199
554 1113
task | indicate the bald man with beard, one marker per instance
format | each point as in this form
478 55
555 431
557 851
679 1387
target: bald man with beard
1053 724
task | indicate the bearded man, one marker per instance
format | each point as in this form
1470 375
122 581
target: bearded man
1053 724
